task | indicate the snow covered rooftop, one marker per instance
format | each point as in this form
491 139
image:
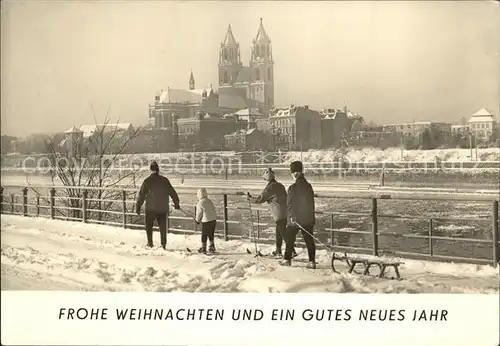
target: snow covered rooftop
482 112
73 129
249 111
353 115
181 96
88 130
242 132
481 116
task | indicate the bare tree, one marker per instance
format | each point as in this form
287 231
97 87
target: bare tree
88 161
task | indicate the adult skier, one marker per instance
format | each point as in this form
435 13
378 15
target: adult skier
275 195
156 190
300 203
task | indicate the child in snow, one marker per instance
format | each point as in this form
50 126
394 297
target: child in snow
206 214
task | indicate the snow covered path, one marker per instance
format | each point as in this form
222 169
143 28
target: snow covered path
42 254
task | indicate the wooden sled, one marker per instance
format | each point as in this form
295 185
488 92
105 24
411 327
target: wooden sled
353 261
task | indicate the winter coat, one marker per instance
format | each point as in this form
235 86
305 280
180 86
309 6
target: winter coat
205 209
156 190
275 195
301 203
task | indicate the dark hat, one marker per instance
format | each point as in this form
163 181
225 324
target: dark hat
154 166
296 167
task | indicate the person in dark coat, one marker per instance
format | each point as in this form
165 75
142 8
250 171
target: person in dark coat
156 191
300 203
275 195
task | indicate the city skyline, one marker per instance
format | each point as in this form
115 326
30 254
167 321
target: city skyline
391 62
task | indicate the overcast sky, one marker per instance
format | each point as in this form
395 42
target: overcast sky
389 61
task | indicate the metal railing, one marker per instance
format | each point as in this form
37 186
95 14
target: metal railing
113 206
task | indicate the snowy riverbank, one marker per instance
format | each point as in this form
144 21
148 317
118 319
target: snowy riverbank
41 254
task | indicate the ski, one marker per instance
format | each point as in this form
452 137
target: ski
258 254
189 251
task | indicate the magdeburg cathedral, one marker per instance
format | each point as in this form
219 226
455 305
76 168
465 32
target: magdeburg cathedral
258 77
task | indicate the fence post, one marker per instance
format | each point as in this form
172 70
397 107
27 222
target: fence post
226 226
1 200
52 203
431 247
374 227
496 248
37 205
124 208
99 205
25 201
331 232
258 224
84 205
12 202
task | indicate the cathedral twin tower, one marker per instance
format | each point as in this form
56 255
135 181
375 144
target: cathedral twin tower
256 81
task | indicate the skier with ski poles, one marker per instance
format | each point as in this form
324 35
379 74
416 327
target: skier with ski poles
206 214
300 203
275 195
156 190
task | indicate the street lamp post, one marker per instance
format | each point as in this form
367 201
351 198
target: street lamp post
470 144
301 150
475 146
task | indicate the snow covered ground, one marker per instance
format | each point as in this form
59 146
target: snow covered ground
43 254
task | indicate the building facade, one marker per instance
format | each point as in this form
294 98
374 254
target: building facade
418 127
300 125
205 132
482 124
463 130
334 123
247 140
181 103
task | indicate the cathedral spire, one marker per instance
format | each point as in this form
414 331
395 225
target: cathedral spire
229 40
229 52
261 45
262 37
191 81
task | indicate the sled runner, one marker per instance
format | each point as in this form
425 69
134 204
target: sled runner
352 261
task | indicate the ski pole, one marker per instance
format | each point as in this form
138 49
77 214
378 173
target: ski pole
312 236
194 219
257 252
315 238
187 214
